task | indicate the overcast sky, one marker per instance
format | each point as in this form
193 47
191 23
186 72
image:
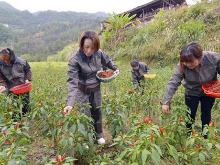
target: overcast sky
89 6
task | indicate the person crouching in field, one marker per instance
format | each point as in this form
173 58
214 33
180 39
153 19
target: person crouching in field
82 82
14 71
195 67
138 71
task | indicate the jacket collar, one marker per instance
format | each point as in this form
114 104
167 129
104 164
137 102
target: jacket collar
16 61
205 61
85 58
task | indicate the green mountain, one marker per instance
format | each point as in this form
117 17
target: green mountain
8 6
42 33
161 40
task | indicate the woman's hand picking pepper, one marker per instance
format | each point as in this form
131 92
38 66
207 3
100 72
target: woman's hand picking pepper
68 109
117 71
2 89
166 109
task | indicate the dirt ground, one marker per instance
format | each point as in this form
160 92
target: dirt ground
40 147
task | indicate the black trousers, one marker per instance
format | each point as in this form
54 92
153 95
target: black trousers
192 103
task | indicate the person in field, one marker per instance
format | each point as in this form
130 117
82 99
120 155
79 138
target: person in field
82 82
195 67
14 71
138 71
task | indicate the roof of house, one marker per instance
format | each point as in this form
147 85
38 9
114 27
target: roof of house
150 6
153 4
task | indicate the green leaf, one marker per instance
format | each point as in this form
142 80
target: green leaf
121 156
174 153
195 161
43 112
202 157
145 153
209 146
217 146
155 157
79 146
72 129
135 163
12 162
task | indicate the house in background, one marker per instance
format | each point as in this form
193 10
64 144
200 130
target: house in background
145 13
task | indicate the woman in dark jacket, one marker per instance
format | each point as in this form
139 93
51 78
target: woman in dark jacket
14 71
82 82
195 67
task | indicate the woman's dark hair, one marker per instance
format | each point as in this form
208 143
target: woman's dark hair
190 52
8 52
89 35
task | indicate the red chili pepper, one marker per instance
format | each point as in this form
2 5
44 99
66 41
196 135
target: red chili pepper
161 130
58 160
60 124
199 147
121 133
211 123
10 108
8 142
6 117
180 119
40 103
59 138
63 112
51 144
183 150
148 119
193 131
139 123
16 126
132 144
63 156
215 136
152 136
135 112
135 140
63 132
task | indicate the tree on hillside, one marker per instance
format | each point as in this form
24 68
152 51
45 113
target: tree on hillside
115 26
5 34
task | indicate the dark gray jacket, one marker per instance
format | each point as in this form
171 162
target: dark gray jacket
83 67
14 74
208 69
138 75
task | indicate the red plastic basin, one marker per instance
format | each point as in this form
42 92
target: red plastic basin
20 89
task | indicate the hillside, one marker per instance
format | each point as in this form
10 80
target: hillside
42 33
161 40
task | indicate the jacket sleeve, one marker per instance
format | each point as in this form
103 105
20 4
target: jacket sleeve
134 78
28 72
2 80
107 62
217 55
147 69
172 86
72 82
